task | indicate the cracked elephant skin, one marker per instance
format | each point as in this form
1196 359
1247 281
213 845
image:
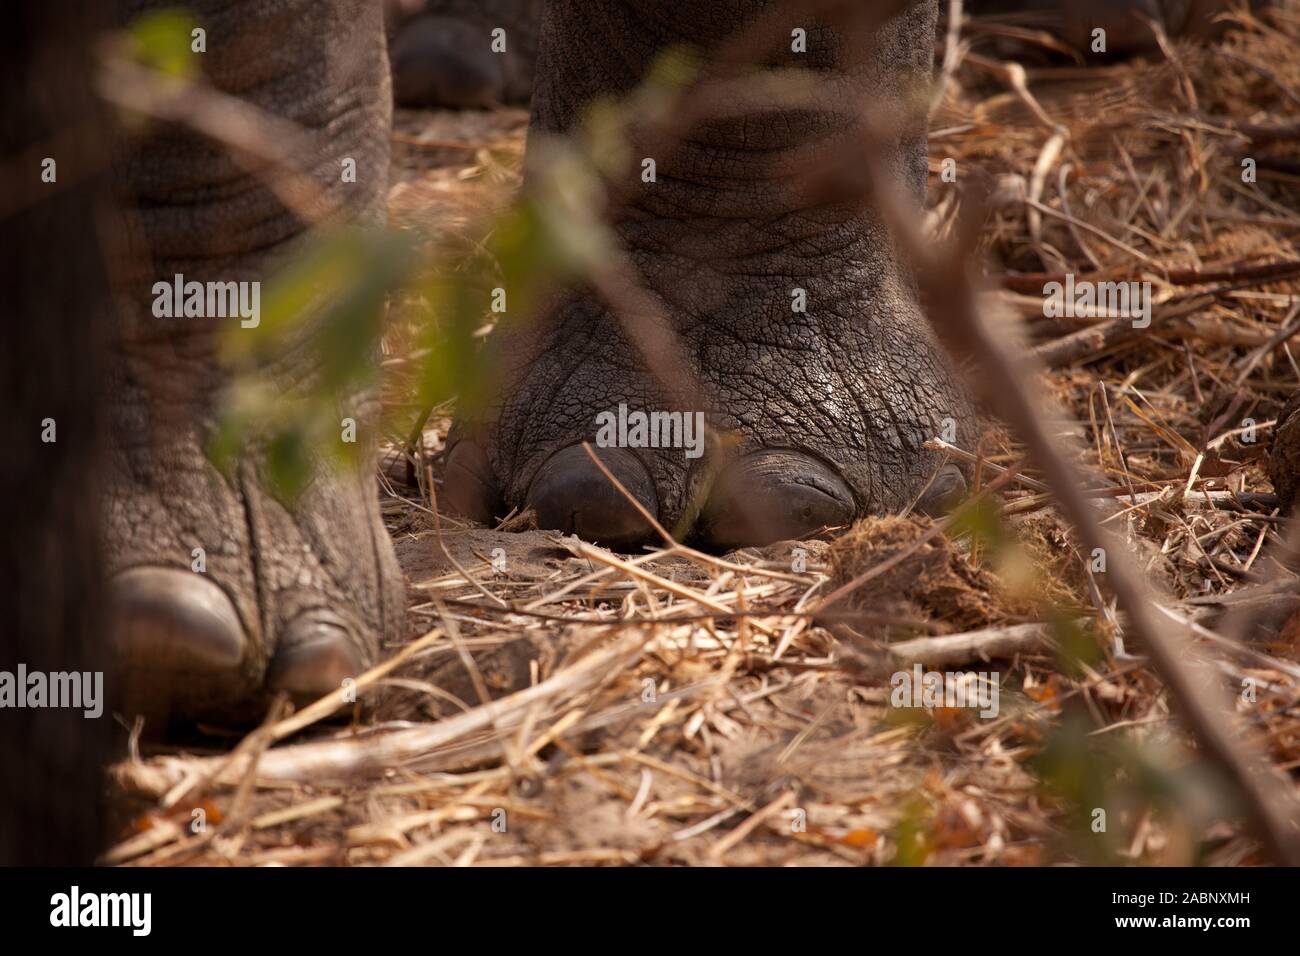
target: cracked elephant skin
440 59
223 594
824 410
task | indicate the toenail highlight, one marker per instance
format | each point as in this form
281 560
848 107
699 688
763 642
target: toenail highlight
572 495
773 495
179 644
315 656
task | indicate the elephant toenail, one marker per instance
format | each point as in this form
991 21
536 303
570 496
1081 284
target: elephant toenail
316 654
571 494
945 492
469 486
772 495
179 644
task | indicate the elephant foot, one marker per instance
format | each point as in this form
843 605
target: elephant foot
455 55
815 381
225 596
827 430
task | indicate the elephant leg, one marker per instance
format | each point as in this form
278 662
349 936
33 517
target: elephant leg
462 54
810 347
222 592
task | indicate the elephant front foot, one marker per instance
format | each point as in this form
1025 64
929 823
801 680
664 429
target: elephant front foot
805 419
803 381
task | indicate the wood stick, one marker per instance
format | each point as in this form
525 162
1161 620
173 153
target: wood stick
369 754
953 649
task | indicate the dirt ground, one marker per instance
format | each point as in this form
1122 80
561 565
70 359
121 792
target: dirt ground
678 708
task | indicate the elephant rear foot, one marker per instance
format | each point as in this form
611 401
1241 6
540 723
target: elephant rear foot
462 54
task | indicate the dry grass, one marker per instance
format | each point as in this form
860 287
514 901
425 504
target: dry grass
673 708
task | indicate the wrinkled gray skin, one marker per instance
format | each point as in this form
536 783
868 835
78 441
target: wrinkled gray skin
442 55
293 599
830 407
439 61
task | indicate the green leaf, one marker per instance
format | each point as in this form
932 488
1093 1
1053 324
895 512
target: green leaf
912 835
289 463
1075 647
981 519
162 41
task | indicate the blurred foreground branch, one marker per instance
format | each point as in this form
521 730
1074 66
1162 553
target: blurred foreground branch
1194 689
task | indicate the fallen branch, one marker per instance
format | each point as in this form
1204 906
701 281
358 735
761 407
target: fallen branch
954 649
1191 687
1194 690
1031 283
370 754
